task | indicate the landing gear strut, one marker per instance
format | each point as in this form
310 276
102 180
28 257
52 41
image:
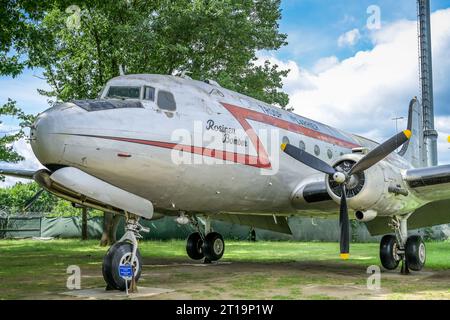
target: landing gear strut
124 252
208 245
410 251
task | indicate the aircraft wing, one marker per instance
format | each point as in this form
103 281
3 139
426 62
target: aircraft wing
431 184
432 214
17 173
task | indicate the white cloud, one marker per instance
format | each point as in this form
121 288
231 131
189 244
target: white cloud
350 38
325 64
442 124
363 93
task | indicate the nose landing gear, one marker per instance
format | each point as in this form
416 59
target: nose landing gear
410 251
124 253
207 244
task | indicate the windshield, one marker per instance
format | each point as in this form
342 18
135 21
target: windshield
124 93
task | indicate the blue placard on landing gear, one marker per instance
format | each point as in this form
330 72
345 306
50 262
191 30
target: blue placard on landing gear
126 272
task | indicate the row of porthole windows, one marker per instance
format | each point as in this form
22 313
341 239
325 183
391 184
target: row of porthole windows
302 146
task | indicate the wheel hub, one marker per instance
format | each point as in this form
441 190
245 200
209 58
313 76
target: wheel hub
126 260
395 252
422 253
218 246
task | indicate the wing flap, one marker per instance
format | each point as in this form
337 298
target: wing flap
277 224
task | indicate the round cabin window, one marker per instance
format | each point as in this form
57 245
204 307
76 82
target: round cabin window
302 145
316 150
329 154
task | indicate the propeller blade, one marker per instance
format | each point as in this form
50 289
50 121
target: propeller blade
308 159
344 224
32 200
381 152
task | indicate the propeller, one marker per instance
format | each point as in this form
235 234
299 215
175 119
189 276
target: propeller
342 177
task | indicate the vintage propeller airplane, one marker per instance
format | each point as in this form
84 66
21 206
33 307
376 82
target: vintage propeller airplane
139 150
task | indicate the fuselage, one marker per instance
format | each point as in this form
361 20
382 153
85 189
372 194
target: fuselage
187 145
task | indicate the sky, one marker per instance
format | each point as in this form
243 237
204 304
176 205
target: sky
348 68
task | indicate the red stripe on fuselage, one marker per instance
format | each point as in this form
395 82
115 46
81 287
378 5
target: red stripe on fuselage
207 152
242 115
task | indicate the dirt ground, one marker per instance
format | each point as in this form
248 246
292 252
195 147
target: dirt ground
295 280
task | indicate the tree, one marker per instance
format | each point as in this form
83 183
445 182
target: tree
213 39
208 39
7 152
110 225
16 197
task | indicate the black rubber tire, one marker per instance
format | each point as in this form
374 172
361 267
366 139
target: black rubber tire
415 253
194 246
388 257
213 246
111 262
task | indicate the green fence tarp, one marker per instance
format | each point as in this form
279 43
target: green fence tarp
70 227
303 229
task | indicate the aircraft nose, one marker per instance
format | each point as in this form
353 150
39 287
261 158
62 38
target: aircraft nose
45 139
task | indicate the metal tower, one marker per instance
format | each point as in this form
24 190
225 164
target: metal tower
426 81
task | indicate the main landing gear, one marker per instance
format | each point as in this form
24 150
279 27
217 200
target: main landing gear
124 253
208 245
410 251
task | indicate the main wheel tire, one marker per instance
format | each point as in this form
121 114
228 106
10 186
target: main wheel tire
213 246
388 252
194 246
415 253
120 254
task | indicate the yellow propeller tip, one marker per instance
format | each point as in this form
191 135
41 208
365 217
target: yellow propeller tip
345 256
408 133
283 146
448 139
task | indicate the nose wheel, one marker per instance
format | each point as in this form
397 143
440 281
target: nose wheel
118 255
124 253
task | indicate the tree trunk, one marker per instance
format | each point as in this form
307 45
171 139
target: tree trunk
84 226
110 224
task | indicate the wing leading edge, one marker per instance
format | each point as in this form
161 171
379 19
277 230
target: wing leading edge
18 173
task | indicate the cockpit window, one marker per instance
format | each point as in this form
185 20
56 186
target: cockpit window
99 105
166 101
149 93
121 92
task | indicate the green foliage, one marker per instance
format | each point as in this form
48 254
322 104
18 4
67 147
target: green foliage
7 152
209 39
14 199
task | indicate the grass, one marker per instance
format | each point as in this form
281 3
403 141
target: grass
272 270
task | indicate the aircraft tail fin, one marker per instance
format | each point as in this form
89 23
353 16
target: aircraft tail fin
413 149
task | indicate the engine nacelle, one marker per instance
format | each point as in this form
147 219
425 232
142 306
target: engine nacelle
373 190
